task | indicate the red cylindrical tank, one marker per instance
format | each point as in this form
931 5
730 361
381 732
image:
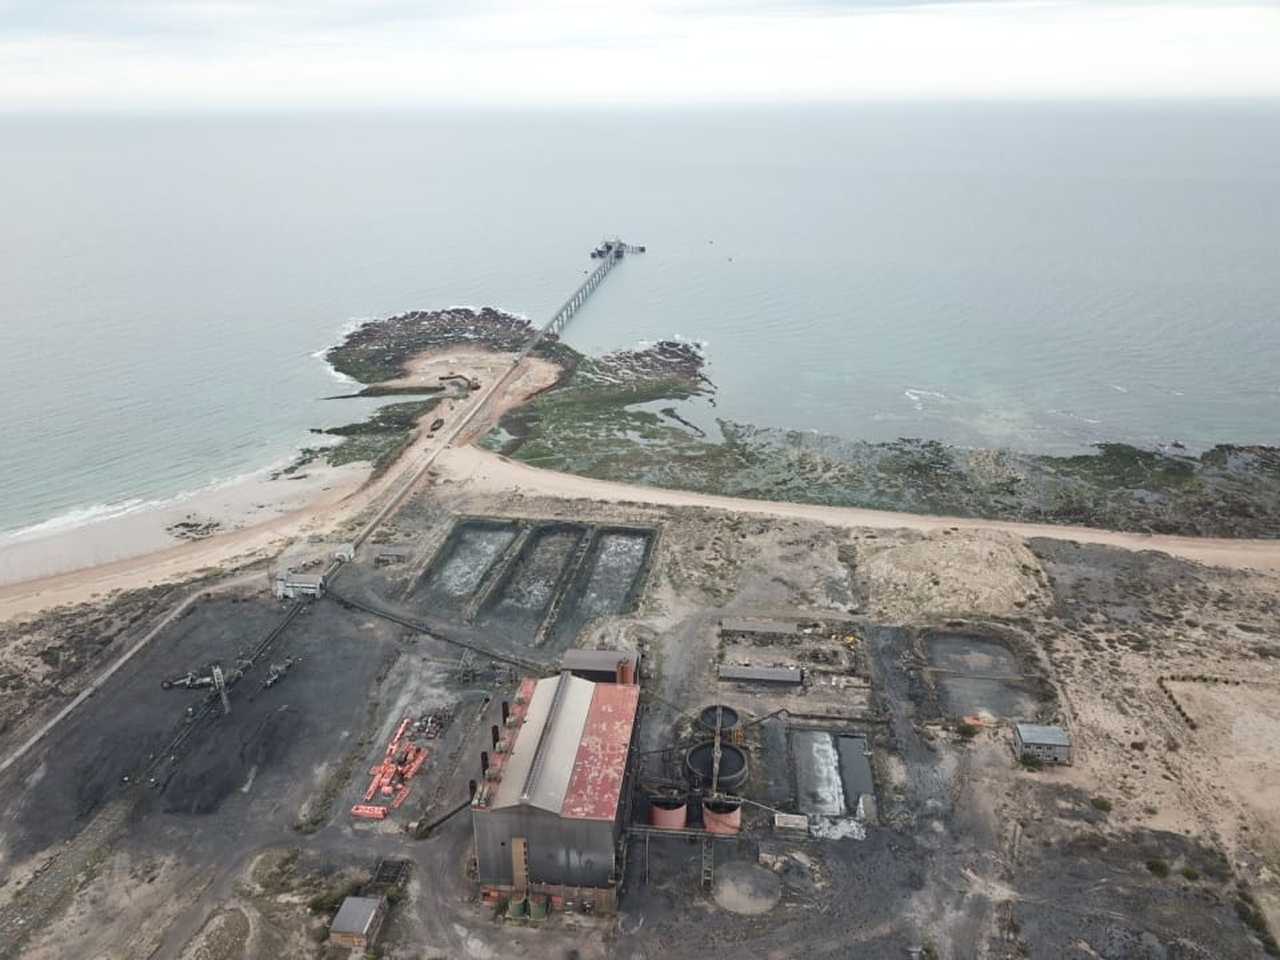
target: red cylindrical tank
721 816
668 813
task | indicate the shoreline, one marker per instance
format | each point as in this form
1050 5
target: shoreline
245 521
138 549
219 509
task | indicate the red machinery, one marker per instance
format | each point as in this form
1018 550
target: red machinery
391 777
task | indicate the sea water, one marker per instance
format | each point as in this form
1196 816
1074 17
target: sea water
1027 275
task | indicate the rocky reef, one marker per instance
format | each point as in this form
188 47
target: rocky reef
378 350
629 416
618 418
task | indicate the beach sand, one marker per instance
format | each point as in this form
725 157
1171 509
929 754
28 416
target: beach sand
487 472
257 517
251 501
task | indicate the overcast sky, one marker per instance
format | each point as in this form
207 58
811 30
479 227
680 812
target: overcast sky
270 53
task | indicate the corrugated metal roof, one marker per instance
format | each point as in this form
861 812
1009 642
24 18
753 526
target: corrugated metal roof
593 659
598 770
1039 733
304 579
356 914
790 675
541 760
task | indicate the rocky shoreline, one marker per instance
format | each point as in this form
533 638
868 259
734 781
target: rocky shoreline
378 350
618 417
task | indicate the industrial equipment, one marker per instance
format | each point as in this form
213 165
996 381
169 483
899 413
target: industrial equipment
215 679
276 672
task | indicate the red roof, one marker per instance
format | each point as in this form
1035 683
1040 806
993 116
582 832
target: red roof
596 783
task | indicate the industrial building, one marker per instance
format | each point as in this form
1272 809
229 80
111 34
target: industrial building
1045 743
548 817
290 586
358 921
601 666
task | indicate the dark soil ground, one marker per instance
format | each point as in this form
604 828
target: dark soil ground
45 660
970 855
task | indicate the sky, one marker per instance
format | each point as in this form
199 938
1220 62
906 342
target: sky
126 54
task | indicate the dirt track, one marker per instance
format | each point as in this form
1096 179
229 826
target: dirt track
486 472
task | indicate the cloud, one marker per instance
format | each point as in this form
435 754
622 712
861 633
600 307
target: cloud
238 53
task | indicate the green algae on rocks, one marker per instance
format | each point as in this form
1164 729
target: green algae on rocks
378 440
601 422
378 350
617 417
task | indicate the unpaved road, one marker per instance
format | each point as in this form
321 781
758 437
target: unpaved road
488 473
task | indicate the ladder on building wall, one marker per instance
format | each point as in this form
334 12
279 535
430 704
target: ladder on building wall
708 862
520 865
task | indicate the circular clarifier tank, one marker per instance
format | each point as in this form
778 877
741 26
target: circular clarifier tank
728 717
733 765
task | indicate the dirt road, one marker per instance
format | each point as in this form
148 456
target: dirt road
486 472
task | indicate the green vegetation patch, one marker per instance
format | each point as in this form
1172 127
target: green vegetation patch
378 440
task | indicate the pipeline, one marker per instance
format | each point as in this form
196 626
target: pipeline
529 665
424 830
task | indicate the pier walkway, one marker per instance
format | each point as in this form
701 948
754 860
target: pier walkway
610 253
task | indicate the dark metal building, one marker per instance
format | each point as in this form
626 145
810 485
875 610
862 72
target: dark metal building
548 816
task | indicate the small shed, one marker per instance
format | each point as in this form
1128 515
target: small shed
1048 744
391 556
786 676
774 628
358 921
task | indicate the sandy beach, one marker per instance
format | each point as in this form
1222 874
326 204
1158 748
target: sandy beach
259 517
218 513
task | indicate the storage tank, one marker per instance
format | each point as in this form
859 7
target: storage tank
721 816
668 813
733 765
728 717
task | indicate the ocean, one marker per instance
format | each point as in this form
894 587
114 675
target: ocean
1035 276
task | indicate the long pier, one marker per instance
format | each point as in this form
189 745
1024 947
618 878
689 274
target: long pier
610 253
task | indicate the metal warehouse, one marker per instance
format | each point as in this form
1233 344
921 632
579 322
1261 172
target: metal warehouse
548 816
